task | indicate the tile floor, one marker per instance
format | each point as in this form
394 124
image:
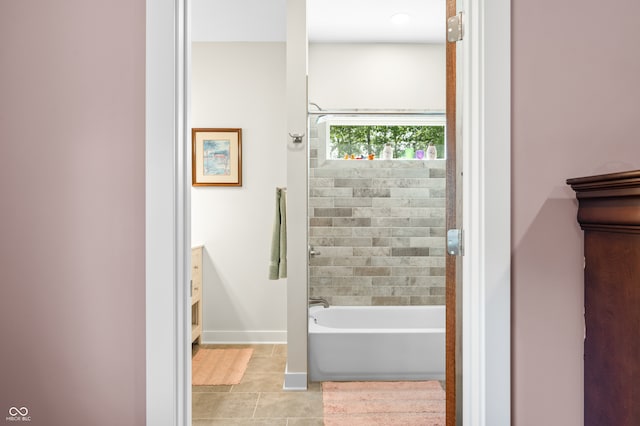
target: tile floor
259 398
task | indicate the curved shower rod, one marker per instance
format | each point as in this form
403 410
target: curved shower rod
405 112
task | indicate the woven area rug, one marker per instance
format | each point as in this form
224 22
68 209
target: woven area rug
219 366
383 403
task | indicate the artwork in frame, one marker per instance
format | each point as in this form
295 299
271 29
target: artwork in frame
216 157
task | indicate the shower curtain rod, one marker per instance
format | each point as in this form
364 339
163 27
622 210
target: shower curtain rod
405 112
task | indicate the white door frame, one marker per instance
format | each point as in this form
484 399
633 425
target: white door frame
484 56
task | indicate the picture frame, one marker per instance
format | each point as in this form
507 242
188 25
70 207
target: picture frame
216 157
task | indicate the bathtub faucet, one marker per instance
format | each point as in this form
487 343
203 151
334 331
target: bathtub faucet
318 301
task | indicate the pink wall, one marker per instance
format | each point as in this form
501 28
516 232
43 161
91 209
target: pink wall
575 112
72 76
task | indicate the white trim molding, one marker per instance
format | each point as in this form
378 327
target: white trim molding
294 381
485 61
168 365
244 337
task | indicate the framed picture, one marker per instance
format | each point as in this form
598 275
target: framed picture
216 157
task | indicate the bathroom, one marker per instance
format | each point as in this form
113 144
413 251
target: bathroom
240 82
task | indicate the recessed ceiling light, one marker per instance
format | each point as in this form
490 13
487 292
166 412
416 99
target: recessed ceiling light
400 19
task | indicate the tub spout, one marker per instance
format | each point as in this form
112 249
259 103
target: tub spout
318 301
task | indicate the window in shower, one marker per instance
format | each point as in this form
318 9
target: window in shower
383 137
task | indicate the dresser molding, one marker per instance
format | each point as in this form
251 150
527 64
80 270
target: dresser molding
609 202
609 214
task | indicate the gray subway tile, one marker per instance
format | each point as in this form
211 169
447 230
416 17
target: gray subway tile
427 222
332 212
372 251
427 300
410 232
335 251
409 251
352 261
321 202
421 281
330 271
390 301
437 291
353 242
410 271
352 183
371 212
372 232
428 202
321 182
391 222
403 183
315 282
330 192
321 261
438 192
391 202
437 173
410 192
360 281
400 291
352 202
351 301
320 221
422 261
409 212
330 231
352 222
372 271
438 271
408 173
400 242
321 241
372 192
437 242
381 242
437 251
437 231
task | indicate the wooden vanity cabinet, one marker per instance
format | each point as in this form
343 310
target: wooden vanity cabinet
609 214
196 294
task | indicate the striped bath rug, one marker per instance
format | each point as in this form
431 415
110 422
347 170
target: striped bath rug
219 366
383 403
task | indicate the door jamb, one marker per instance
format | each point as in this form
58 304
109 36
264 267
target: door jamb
485 55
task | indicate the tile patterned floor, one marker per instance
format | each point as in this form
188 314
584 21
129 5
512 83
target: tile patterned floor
258 399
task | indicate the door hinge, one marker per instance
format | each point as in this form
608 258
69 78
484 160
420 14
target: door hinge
455 246
455 28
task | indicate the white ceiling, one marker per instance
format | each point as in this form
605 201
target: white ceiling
357 21
370 21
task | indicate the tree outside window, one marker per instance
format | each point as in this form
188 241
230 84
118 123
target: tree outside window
362 140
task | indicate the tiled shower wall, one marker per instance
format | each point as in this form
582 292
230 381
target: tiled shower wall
379 226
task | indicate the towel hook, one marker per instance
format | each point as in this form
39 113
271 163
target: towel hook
297 137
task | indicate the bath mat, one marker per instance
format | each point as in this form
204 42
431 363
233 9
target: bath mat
383 403
219 366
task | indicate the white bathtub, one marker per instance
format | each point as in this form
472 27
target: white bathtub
377 343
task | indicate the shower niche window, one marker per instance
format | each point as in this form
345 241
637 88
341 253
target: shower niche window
379 225
382 138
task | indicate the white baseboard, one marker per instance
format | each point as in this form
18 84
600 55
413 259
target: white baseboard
244 337
294 381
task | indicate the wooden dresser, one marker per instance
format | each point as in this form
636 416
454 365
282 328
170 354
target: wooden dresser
609 214
196 294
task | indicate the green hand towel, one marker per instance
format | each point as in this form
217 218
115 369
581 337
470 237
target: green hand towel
278 261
